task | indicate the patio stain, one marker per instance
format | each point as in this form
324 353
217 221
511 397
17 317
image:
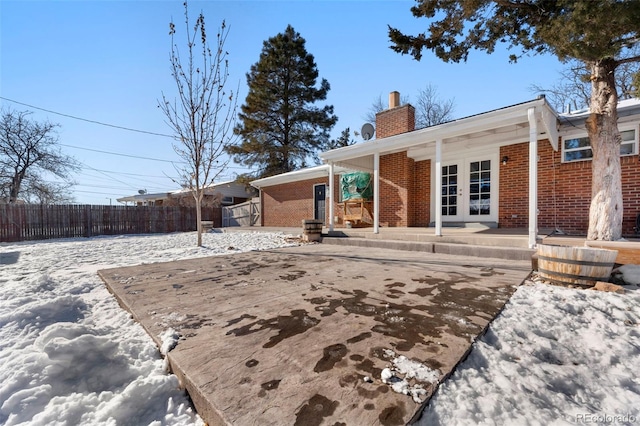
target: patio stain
252 363
268 386
331 355
410 323
288 326
294 275
393 415
360 337
317 408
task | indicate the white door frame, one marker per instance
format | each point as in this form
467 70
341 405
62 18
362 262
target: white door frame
463 161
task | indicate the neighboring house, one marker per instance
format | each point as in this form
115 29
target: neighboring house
216 195
522 166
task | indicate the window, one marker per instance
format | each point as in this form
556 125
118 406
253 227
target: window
227 199
578 148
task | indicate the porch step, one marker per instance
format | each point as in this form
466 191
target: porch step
456 249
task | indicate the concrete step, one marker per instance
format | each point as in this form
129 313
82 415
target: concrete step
457 249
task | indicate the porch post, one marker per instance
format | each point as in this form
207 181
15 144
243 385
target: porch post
331 196
438 188
376 193
533 177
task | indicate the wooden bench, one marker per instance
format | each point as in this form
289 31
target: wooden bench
628 251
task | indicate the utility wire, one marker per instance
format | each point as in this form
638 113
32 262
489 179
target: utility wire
121 155
87 120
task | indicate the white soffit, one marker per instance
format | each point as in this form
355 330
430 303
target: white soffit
499 124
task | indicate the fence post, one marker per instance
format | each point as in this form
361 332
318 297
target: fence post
87 221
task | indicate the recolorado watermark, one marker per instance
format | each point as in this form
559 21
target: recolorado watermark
623 419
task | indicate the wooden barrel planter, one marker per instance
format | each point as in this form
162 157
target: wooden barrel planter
583 266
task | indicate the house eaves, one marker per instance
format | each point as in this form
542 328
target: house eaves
503 120
317 172
626 108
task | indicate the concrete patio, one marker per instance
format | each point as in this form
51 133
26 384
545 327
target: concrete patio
288 336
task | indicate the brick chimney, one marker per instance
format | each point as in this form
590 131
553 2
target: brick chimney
395 120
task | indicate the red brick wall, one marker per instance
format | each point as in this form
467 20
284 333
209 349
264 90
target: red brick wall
421 193
289 204
514 187
395 121
564 190
396 184
630 192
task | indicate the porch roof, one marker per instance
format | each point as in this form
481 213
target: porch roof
317 172
498 127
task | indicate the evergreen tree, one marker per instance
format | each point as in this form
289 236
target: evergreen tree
280 127
601 34
343 140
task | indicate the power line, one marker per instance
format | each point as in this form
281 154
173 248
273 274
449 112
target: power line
121 155
89 121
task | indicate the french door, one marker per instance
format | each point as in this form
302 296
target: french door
469 190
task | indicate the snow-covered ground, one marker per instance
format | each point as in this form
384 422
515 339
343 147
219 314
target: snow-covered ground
70 355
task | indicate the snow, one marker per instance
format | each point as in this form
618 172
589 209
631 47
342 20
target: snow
70 355
553 356
415 375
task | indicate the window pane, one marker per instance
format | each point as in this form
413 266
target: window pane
628 135
475 166
445 170
578 155
453 179
486 165
475 188
444 201
453 211
576 143
445 180
453 201
626 149
444 210
453 169
453 189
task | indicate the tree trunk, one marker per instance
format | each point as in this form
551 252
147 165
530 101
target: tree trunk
198 197
605 213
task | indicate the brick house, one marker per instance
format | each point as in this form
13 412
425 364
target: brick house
522 166
216 195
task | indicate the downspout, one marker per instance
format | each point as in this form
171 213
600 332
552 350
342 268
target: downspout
376 193
438 189
331 194
533 177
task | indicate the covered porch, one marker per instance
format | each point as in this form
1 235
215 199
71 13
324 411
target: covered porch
463 180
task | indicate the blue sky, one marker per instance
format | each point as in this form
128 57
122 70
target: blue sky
107 61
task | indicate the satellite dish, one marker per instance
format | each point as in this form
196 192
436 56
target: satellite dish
142 191
367 131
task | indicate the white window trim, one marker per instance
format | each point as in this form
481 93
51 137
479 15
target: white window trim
622 128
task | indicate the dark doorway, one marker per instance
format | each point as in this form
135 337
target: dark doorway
319 196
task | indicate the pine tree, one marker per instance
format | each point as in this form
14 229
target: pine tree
280 127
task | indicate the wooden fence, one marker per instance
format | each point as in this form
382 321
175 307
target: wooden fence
245 214
40 222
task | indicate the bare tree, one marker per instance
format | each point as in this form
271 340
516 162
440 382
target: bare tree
573 90
378 105
203 116
431 109
29 149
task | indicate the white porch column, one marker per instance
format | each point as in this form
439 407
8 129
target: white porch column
376 193
332 190
533 177
438 188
